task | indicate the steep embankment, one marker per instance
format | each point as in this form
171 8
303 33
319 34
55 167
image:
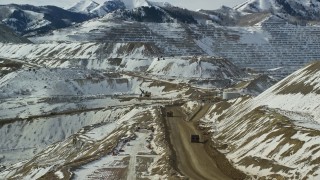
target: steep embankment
105 143
275 134
255 86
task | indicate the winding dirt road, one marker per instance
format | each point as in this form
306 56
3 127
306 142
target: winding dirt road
193 160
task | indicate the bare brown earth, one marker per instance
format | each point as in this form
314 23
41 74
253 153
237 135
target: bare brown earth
193 160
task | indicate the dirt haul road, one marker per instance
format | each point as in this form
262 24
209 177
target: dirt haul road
192 158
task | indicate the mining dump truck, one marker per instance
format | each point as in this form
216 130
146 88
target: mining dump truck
195 138
145 93
169 114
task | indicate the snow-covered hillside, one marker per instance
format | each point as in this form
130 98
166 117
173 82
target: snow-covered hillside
131 4
257 6
254 86
94 8
42 82
271 43
135 57
33 100
28 19
306 9
116 88
300 93
107 7
88 142
195 67
84 6
89 55
275 134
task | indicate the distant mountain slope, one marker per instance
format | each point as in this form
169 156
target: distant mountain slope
143 11
304 10
8 36
276 134
84 6
224 16
193 67
31 20
131 4
260 47
28 19
129 56
154 14
93 8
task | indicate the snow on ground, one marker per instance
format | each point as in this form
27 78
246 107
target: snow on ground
168 30
122 56
298 93
59 174
114 130
190 106
131 4
28 93
22 139
193 67
206 45
38 20
49 50
276 132
35 84
252 35
33 103
132 149
44 82
84 6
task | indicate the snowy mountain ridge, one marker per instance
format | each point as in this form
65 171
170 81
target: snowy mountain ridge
84 6
28 19
300 10
92 7
131 4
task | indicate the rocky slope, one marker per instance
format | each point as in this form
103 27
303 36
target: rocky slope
275 134
254 86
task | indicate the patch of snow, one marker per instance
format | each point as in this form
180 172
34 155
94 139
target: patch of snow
131 4
37 173
59 174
